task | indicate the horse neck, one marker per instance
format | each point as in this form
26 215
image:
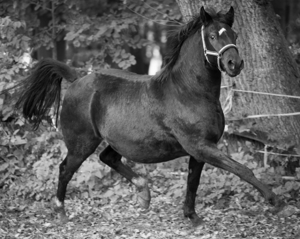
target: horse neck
190 72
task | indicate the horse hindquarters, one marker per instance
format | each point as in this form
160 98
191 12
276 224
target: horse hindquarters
81 141
78 152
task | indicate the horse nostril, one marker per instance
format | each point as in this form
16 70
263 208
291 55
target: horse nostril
242 64
231 64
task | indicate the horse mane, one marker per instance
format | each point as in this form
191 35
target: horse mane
177 37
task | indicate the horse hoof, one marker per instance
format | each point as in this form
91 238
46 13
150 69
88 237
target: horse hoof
277 204
275 201
63 218
278 207
144 198
59 209
196 220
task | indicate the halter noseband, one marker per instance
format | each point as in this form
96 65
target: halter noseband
215 53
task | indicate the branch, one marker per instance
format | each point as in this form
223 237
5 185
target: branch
44 8
54 50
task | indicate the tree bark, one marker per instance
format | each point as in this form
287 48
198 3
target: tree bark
288 12
269 67
43 52
58 52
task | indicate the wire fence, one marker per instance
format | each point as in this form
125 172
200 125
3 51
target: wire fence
228 103
228 106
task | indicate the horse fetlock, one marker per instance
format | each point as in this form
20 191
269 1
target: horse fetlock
273 199
140 182
192 215
58 203
188 212
196 220
58 206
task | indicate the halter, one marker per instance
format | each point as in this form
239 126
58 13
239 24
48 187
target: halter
215 53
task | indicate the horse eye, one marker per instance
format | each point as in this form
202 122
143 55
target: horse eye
212 37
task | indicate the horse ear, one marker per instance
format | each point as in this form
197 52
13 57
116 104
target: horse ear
229 16
204 16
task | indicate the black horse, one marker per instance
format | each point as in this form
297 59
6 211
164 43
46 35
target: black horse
147 119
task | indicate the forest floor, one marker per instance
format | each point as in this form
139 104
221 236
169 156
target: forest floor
20 218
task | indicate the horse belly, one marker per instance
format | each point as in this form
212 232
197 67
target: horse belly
138 137
148 150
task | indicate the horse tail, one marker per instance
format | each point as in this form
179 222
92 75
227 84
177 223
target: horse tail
42 88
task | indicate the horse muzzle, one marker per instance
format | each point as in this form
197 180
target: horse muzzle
234 67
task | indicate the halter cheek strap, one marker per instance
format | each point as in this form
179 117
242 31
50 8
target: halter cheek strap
215 53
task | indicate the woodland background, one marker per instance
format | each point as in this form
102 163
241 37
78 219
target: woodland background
128 34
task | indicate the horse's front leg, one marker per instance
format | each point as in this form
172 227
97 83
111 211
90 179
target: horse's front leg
113 159
194 174
210 154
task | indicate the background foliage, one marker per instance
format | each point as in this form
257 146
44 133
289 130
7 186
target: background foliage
97 34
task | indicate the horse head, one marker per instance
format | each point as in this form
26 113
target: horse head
219 42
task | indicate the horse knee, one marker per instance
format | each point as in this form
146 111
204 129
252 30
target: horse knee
62 166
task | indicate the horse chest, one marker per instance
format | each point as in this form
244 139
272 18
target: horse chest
202 122
216 128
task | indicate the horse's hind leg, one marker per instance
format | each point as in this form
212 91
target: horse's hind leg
194 174
113 159
78 151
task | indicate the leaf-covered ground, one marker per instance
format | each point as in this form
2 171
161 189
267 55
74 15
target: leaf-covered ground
21 218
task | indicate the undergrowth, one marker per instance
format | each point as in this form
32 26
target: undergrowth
29 168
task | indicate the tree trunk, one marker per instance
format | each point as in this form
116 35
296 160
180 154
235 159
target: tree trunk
269 67
43 52
287 11
58 52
